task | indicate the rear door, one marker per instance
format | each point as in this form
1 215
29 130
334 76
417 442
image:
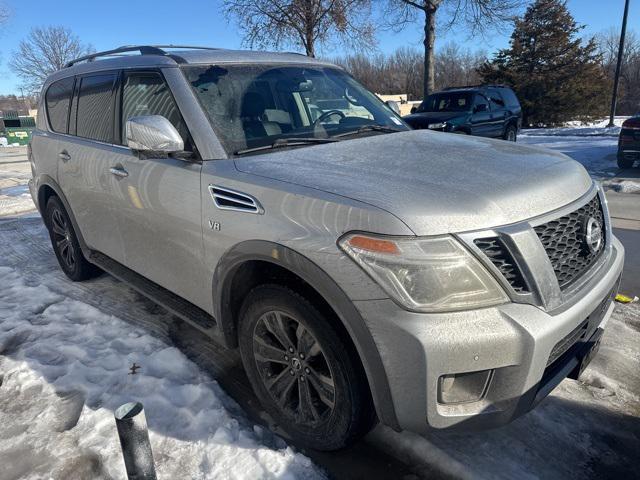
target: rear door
157 201
481 119
498 113
85 157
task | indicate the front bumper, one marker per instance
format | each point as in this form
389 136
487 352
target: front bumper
513 342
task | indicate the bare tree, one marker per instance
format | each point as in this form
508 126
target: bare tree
44 51
608 43
302 23
401 71
476 15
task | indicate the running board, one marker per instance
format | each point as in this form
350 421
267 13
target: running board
160 295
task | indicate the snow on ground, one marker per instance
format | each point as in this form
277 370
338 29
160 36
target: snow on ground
581 129
64 370
594 145
14 174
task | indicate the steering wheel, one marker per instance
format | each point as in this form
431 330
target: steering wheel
326 115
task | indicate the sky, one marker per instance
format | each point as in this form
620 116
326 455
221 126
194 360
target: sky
189 22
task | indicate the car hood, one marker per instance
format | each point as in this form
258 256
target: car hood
427 118
434 182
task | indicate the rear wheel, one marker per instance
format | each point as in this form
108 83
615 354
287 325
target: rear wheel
65 243
299 366
625 162
510 134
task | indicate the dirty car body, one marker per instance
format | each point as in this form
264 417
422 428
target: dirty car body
463 278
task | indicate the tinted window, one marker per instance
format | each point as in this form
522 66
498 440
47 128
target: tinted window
447 102
58 98
497 103
510 97
148 94
481 100
95 108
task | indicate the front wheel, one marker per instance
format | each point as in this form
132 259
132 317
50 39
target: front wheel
302 371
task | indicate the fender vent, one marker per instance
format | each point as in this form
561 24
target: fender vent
227 199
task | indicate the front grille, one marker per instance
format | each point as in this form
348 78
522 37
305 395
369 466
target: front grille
500 256
564 241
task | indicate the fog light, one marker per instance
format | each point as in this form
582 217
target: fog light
463 387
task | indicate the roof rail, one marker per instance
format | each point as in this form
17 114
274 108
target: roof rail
143 49
498 85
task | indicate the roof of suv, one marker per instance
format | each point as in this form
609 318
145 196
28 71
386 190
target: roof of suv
173 56
474 87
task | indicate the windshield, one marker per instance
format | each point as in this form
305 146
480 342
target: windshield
252 106
447 102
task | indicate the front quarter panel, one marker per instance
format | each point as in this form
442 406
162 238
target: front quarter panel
307 221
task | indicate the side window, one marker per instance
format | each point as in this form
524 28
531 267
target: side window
57 99
95 107
481 100
510 97
148 94
497 103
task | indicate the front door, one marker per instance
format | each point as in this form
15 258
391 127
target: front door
158 199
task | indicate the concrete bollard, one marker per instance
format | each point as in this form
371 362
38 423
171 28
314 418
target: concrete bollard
134 440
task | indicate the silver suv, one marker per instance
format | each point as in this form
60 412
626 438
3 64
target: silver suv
365 271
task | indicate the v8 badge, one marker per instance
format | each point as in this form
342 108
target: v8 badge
214 225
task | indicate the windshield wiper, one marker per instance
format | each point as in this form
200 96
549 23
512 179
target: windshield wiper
286 142
370 128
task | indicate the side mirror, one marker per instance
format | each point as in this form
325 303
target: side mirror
153 133
393 105
414 109
483 107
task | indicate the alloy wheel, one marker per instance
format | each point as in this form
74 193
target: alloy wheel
62 239
293 368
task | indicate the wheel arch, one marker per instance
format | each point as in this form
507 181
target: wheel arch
232 281
47 187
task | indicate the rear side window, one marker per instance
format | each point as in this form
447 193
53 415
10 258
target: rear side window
95 107
148 94
497 103
57 99
510 97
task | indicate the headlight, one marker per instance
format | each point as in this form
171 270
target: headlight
425 274
436 126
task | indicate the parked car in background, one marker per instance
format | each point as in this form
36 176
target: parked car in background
364 270
484 111
629 142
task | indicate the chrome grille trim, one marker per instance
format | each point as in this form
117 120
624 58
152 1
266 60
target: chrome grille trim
531 258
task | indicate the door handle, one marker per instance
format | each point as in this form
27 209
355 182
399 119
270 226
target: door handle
119 172
64 156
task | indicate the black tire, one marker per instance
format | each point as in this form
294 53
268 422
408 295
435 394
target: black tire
65 243
510 134
625 163
339 408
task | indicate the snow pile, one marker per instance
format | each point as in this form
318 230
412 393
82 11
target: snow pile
580 129
624 186
585 429
65 369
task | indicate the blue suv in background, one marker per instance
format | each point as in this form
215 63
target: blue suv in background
486 111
